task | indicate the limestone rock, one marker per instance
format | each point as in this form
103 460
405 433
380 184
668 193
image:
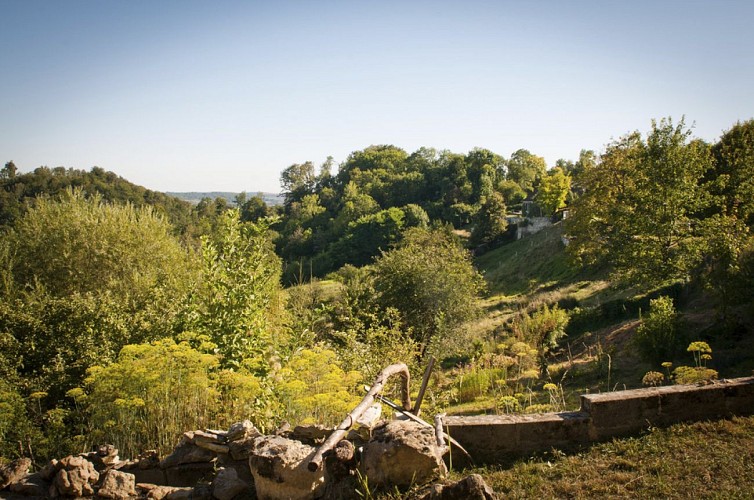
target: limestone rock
241 431
14 471
187 452
103 457
210 441
48 471
168 493
241 467
241 448
148 460
118 485
370 417
227 485
32 485
402 453
279 467
204 492
76 477
471 487
310 434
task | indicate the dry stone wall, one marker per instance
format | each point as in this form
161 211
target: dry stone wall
492 438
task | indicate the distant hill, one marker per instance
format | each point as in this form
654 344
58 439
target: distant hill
18 190
195 197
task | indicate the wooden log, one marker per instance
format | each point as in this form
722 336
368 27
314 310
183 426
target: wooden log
396 369
423 387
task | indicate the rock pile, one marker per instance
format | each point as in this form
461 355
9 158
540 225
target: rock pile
240 463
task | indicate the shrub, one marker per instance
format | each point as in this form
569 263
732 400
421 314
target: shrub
658 337
315 389
653 379
473 385
155 392
693 375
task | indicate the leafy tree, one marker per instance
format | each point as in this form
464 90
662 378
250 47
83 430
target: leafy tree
366 236
234 303
19 190
80 245
553 190
252 209
525 169
366 336
732 177
659 335
430 280
297 181
640 206
355 204
484 168
416 216
82 278
8 171
490 222
511 191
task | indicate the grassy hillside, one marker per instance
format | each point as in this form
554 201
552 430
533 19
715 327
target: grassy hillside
597 353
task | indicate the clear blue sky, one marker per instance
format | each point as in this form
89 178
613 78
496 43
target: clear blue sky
189 96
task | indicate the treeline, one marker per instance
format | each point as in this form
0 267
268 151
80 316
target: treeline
347 217
19 191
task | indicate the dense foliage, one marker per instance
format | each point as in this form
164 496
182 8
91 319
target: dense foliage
350 217
129 317
662 209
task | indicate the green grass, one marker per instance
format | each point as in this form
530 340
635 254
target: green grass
527 264
700 460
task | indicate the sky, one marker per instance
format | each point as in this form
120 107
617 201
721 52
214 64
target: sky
223 95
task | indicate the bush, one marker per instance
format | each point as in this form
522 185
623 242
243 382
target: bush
473 385
314 389
155 392
658 337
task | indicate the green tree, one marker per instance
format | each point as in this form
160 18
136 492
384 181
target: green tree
235 303
640 207
490 222
732 176
511 191
252 209
525 169
297 181
80 245
81 279
8 171
659 335
553 191
431 281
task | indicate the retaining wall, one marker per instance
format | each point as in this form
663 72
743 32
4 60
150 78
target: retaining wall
495 438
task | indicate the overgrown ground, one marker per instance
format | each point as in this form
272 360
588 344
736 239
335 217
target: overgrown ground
597 355
700 460
705 460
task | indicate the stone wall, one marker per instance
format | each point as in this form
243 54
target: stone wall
532 225
495 438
